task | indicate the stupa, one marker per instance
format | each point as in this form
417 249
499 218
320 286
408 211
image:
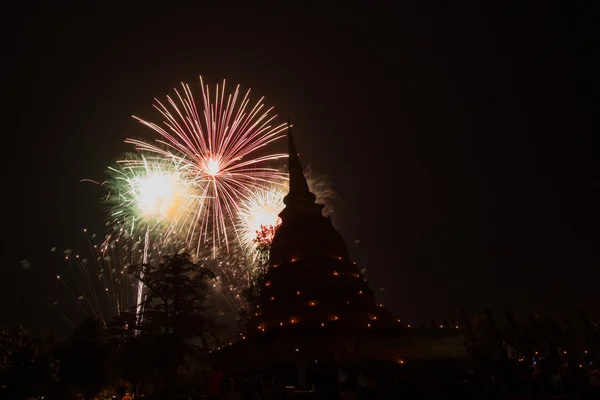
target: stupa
312 280
315 303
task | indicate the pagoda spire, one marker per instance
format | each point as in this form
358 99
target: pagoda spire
299 191
304 230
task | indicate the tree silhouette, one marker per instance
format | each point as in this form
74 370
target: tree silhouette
174 315
134 356
263 241
85 358
28 367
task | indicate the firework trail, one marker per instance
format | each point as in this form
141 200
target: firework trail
223 148
230 279
210 181
147 193
98 281
148 196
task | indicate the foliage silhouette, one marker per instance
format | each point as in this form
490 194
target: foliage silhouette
175 323
28 367
85 358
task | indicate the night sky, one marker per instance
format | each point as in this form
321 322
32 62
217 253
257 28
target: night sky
458 140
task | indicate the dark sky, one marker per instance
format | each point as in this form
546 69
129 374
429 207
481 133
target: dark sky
457 139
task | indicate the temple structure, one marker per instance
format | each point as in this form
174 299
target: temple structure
316 304
312 281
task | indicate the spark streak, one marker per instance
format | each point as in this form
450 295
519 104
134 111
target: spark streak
224 150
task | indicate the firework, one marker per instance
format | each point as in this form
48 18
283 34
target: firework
223 149
209 181
98 280
147 192
257 213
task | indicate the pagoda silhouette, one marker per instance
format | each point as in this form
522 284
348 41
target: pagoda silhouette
311 280
315 304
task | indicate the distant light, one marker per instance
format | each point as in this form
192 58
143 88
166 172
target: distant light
408 325
297 350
